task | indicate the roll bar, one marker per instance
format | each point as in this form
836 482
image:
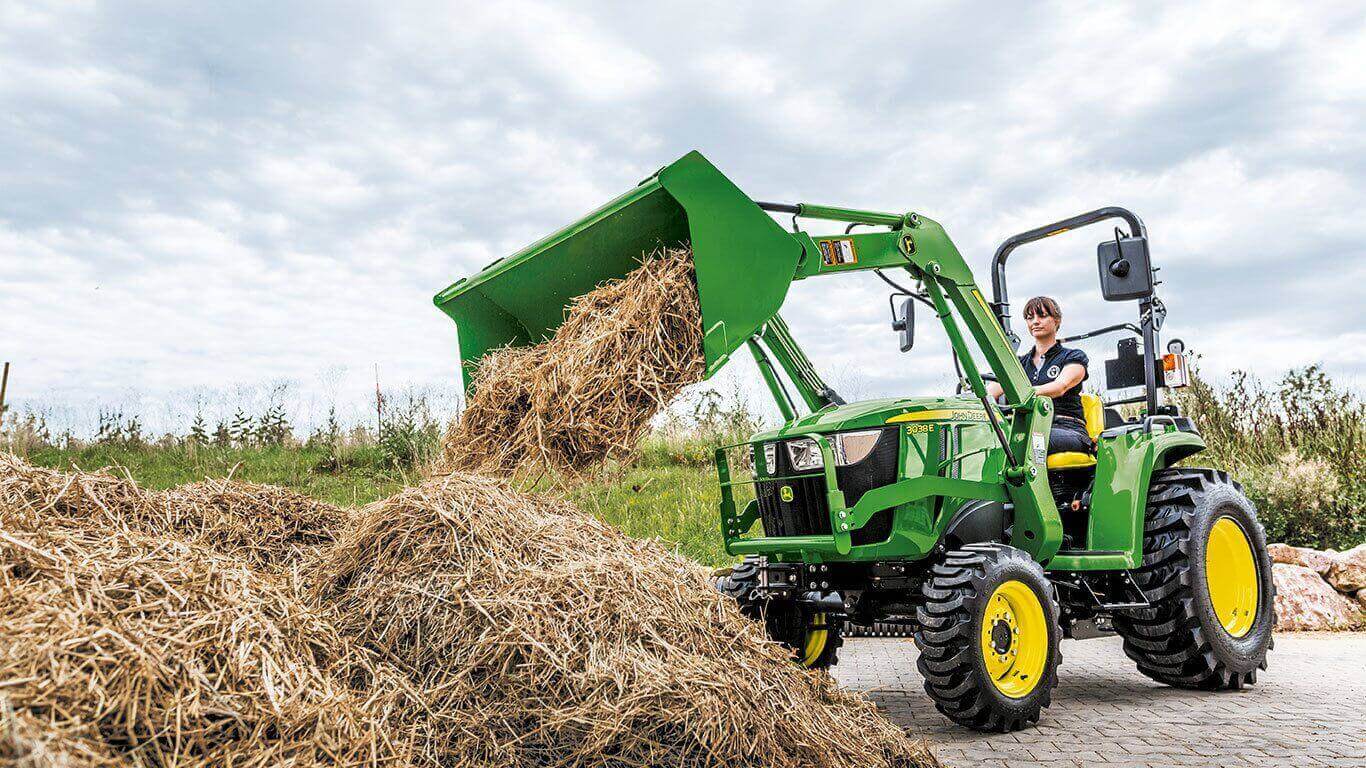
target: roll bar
1000 303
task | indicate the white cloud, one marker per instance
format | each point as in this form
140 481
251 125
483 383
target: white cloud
191 197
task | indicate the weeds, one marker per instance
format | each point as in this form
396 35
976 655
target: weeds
409 436
1299 448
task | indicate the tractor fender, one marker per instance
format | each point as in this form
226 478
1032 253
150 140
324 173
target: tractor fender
978 521
1126 460
1163 450
1167 453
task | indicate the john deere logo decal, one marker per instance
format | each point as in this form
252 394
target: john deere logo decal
785 493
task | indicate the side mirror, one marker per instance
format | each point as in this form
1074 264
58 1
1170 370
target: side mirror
1125 271
904 322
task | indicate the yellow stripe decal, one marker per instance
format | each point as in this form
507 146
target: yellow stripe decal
937 416
1000 332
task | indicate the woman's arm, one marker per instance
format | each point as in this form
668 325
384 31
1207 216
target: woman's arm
1071 376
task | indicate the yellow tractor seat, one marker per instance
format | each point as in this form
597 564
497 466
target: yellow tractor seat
1094 411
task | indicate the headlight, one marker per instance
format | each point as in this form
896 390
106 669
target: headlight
848 447
770 457
853 447
804 454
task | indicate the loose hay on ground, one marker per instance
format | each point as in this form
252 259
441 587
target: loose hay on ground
179 656
25 742
263 525
587 393
559 641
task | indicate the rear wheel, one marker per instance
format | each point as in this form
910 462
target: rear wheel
988 638
814 637
1208 575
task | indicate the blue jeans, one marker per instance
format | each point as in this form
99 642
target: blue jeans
1069 436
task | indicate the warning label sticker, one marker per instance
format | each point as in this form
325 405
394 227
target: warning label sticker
1040 449
838 253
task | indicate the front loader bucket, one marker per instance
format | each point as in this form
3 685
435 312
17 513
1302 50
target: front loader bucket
744 262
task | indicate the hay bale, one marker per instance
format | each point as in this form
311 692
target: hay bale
588 393
557 640
179 655
263 526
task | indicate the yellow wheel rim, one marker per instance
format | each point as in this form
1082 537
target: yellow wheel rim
1231 573
815 640
1015 639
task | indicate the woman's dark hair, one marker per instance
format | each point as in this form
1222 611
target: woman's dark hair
1042 305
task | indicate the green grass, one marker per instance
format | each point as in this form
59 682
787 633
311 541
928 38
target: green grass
359 479
675 503
658 497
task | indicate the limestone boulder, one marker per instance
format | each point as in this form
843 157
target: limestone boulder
1309 558
1304 601
1348 573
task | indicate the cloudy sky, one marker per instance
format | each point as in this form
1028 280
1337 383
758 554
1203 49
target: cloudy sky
205 199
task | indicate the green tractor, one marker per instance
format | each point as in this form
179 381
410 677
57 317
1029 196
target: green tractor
946 515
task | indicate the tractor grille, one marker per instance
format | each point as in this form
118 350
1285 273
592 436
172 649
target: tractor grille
807 514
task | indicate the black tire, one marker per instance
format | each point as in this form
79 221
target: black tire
1181 640
739 581
815 638
953 648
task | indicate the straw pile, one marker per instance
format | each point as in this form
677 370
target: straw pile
557 640
165 652
263 526
459 622
588 393
27 743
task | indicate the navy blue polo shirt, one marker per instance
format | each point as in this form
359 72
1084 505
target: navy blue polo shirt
1054 360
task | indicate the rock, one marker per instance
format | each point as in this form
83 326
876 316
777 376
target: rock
1361 597
1348 573
1309 558
1304 601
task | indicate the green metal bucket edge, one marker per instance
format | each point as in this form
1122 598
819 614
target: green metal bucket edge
744 261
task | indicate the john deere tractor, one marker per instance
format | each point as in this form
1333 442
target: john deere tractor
947 514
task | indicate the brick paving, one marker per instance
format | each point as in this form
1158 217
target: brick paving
1308 709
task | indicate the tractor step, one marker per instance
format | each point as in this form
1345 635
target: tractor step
1100 601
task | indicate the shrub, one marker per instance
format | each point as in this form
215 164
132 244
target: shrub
1301 501
408 434
1299 448
691 431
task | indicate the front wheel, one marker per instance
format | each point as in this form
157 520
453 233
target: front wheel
988 638
813 637
1207 572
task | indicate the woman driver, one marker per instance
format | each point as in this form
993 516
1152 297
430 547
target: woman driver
1057 372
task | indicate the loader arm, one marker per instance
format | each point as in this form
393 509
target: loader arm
922 248
744 264
810 386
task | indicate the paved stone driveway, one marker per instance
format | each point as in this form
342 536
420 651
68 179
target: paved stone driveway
1308 709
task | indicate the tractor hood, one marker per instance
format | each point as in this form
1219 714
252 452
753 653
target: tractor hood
875 413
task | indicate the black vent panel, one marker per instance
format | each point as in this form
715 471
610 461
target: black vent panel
807 514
